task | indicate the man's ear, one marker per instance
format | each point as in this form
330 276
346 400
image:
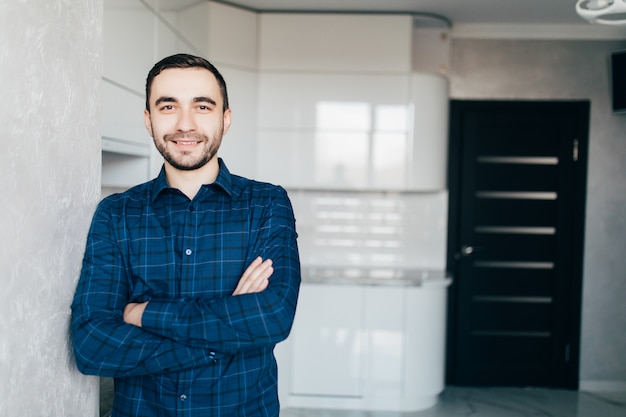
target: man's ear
228 118
148 122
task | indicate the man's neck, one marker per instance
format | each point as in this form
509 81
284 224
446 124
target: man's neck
189 182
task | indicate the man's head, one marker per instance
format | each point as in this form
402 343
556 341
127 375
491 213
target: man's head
185 61
187 111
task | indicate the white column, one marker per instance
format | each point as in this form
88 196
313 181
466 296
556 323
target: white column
50 71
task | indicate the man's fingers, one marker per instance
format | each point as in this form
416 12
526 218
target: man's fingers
256 277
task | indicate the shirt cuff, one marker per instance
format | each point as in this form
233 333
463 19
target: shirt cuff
159 316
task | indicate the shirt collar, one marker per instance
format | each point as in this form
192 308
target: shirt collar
223 181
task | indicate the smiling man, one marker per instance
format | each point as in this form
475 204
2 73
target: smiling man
189 280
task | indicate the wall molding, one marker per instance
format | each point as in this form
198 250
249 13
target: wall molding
583 31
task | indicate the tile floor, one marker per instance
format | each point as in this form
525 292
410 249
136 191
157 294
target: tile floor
478 402
501 402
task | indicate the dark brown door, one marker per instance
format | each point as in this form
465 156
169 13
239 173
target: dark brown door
517 196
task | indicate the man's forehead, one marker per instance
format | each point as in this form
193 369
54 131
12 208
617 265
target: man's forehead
191 82
185 76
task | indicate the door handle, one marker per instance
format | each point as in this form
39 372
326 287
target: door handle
467 250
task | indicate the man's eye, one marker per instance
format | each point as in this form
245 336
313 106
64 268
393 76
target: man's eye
167 107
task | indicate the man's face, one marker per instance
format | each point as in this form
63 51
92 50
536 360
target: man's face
186 118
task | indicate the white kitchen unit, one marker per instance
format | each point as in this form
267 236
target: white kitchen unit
335 42
429 104
356 131
331 345
366 339
334 131
342 108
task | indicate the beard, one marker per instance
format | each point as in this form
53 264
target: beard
184 161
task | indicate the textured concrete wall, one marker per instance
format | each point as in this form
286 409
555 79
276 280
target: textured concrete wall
50 70
508 69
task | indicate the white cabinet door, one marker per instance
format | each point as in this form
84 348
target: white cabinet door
334 131
335 42
385 323
327 342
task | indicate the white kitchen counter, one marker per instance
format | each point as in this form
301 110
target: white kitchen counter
375 276
366 338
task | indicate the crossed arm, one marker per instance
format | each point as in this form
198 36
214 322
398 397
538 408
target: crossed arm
114 338
254 279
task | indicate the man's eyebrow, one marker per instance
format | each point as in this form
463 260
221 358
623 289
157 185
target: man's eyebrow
165 100
203 99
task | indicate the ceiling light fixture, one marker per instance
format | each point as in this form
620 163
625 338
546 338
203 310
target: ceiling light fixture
606 12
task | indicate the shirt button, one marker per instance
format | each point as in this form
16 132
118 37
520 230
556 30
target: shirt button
183 397
188 252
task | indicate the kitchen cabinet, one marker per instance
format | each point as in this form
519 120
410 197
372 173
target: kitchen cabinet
368 339
338 131
351 43
328 342
342 109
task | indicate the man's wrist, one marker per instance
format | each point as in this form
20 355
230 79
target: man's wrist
133 313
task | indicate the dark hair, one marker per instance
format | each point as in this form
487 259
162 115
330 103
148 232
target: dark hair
185 61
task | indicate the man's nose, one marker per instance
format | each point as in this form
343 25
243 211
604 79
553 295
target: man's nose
186 122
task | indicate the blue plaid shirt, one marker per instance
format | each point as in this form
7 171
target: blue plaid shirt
200 350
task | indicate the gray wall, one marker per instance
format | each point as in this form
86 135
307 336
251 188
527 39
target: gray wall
516 69
50 70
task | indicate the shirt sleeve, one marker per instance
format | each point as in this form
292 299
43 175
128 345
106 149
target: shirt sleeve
103 343
235 323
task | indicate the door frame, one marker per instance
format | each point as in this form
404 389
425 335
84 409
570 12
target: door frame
581 121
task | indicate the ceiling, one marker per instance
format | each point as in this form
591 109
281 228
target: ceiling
542 19
457 11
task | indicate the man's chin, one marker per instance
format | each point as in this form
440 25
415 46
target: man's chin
188 165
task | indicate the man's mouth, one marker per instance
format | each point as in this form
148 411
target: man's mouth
186 142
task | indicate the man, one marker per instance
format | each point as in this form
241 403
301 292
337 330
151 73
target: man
188 280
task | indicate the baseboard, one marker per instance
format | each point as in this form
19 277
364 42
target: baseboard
602 385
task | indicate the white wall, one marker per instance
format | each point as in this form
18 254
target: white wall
50 68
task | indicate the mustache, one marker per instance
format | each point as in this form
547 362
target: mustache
185 136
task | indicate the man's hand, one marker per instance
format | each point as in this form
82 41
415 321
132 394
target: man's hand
133 313
255 278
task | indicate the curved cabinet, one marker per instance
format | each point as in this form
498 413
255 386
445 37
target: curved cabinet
366 347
